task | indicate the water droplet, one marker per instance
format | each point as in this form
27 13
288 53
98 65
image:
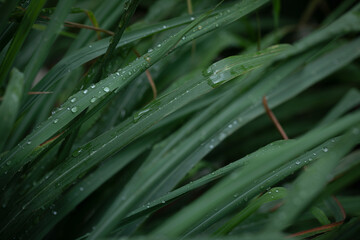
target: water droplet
139 114
81 189
310 159
230 126
73 100
85 91
92 85
325 149
222 136
117 73
150 50
192 18
129 73
92 100
163 201
28 142
54 212
211 146
74 109
314 154
332 140
159 45
55 120
276 190
164 27
90 46
199 27
183 38
106 89
297 162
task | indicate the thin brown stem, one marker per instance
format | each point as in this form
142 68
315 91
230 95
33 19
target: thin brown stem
93 23
274 119
324 228
190 8
79 25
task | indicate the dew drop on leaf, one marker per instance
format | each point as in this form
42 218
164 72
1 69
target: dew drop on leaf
74 109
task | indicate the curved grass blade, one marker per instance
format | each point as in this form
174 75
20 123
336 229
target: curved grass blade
271 195
10 105
23 30
320 215
179 223
300 195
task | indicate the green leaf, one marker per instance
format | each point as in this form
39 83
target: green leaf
310 183
10 105
271 195
320 215
23 30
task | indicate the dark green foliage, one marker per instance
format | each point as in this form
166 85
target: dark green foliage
89 151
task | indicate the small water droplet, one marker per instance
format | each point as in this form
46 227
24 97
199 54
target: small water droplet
211 146
310 159
85 91
90 46
164 27
139 114
129 73
74 109
73 100
106 89
163 201
183 38
199 27
297 162
81 189
92 85
325 149
54 212
92 100
192 18
276 190
28 142
314 154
